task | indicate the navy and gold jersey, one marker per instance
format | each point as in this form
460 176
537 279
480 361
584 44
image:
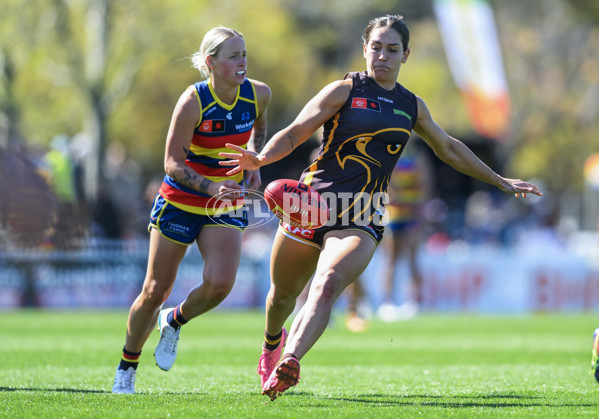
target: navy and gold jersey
360 147
219 124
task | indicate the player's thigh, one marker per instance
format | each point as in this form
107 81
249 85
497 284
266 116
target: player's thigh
344 256
292 264
220 248
164 257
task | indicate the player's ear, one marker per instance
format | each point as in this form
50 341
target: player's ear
364 49
406 53
210 62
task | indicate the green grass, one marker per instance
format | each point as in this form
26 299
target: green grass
61 364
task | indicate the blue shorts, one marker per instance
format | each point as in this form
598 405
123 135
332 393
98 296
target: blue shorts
315 238
403 226
183 227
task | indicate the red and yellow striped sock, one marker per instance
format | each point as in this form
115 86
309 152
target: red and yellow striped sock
175 318
129 359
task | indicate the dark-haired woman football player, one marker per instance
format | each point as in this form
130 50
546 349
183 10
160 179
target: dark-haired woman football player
368 117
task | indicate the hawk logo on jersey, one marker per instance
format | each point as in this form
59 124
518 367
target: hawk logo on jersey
215 125
360 143
363 103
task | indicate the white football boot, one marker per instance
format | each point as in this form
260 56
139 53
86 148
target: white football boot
166 350
124 381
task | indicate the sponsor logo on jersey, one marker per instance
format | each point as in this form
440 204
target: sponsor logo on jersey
402 113
363 103
209 111
298 231
245 126
214 125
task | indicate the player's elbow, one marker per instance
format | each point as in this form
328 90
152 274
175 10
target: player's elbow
170 167
448 152
443 153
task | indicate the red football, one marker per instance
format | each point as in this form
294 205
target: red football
296 203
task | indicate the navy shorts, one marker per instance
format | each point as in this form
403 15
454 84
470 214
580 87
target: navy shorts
315 237
183 227
403 226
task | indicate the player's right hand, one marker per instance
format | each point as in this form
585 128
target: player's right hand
242 160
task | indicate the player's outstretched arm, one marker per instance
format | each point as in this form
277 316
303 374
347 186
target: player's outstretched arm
317 111
455 153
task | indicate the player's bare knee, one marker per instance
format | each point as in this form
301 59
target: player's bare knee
284 296
218 290
220 293
153 299
327 288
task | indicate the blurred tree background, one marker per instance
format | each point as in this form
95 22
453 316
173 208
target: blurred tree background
108 73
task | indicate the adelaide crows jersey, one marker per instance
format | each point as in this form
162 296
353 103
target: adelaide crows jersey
219 124
360 147
406 191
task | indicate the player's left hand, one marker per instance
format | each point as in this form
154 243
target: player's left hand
520 188
252 179
226 189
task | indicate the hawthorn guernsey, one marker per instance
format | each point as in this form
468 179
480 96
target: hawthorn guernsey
296 203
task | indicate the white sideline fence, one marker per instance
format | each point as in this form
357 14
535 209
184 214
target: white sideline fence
533 277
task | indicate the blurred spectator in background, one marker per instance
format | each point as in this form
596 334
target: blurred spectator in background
27 203
409 189
59 165
107 220
124 187
358 308
151 190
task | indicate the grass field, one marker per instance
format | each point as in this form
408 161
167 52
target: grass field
61 364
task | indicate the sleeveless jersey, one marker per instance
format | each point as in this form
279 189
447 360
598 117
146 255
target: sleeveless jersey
360 147
219 124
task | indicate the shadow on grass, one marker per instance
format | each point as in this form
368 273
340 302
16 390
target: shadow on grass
498 401
60 390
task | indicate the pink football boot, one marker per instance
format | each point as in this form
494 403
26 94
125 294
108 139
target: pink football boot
269 359
285 376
